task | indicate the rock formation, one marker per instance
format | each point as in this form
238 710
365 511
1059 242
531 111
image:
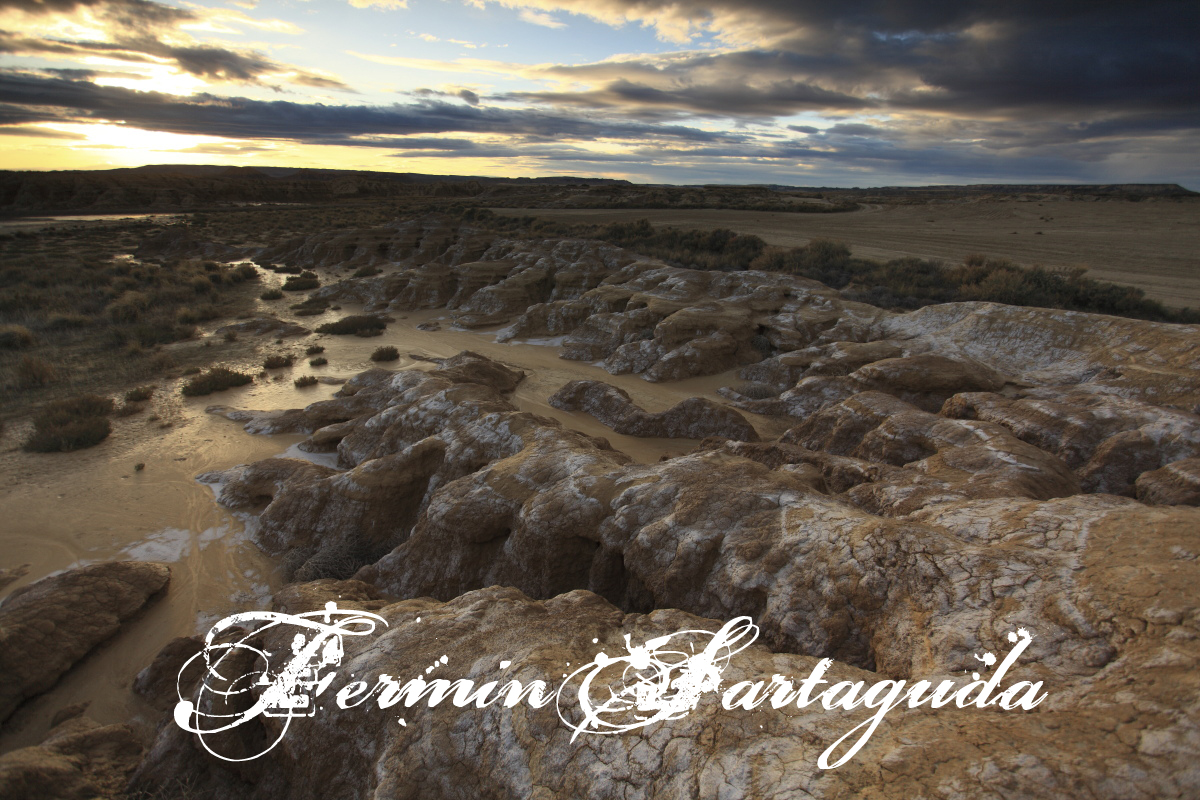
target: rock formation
78 760
694 418
47 626
1086 738
946 477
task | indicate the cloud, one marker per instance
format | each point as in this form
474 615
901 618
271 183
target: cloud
235 117
387 4
540 18
209 62
40 133
853 129
146 32
969 57
726 98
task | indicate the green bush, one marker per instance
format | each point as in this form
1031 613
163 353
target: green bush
385 353
215 380
359 325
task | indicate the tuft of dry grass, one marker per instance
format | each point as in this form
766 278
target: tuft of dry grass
14 337
385 353
278 361
33 371
216 379
70 424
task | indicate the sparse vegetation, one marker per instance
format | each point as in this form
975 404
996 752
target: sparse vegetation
14 337
318 362
271 294
358 325
367 272
905 283
910 283
306 380
313 349
70 424
303 282
95 315
278 361
33 371
140 394
310 307
385 353
215 380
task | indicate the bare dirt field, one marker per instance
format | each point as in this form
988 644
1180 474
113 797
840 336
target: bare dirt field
1154 245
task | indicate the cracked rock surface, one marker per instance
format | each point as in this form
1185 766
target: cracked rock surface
944 477
47 626
1092 738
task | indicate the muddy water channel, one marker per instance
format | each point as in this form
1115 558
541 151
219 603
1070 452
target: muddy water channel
59 511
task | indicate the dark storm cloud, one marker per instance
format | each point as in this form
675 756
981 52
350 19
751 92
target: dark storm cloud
1023 59
854 129
781 97
255 119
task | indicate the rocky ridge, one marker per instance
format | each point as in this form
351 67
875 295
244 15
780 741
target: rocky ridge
946 477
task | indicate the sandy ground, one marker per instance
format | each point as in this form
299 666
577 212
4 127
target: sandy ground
1154 245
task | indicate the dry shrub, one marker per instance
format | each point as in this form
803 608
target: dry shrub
215 380
71 424
14 337
33 371
386 353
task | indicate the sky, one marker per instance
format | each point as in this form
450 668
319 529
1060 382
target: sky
811 93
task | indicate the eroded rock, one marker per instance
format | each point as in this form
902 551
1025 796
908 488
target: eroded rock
47 626
78 760
1068 746
694 418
